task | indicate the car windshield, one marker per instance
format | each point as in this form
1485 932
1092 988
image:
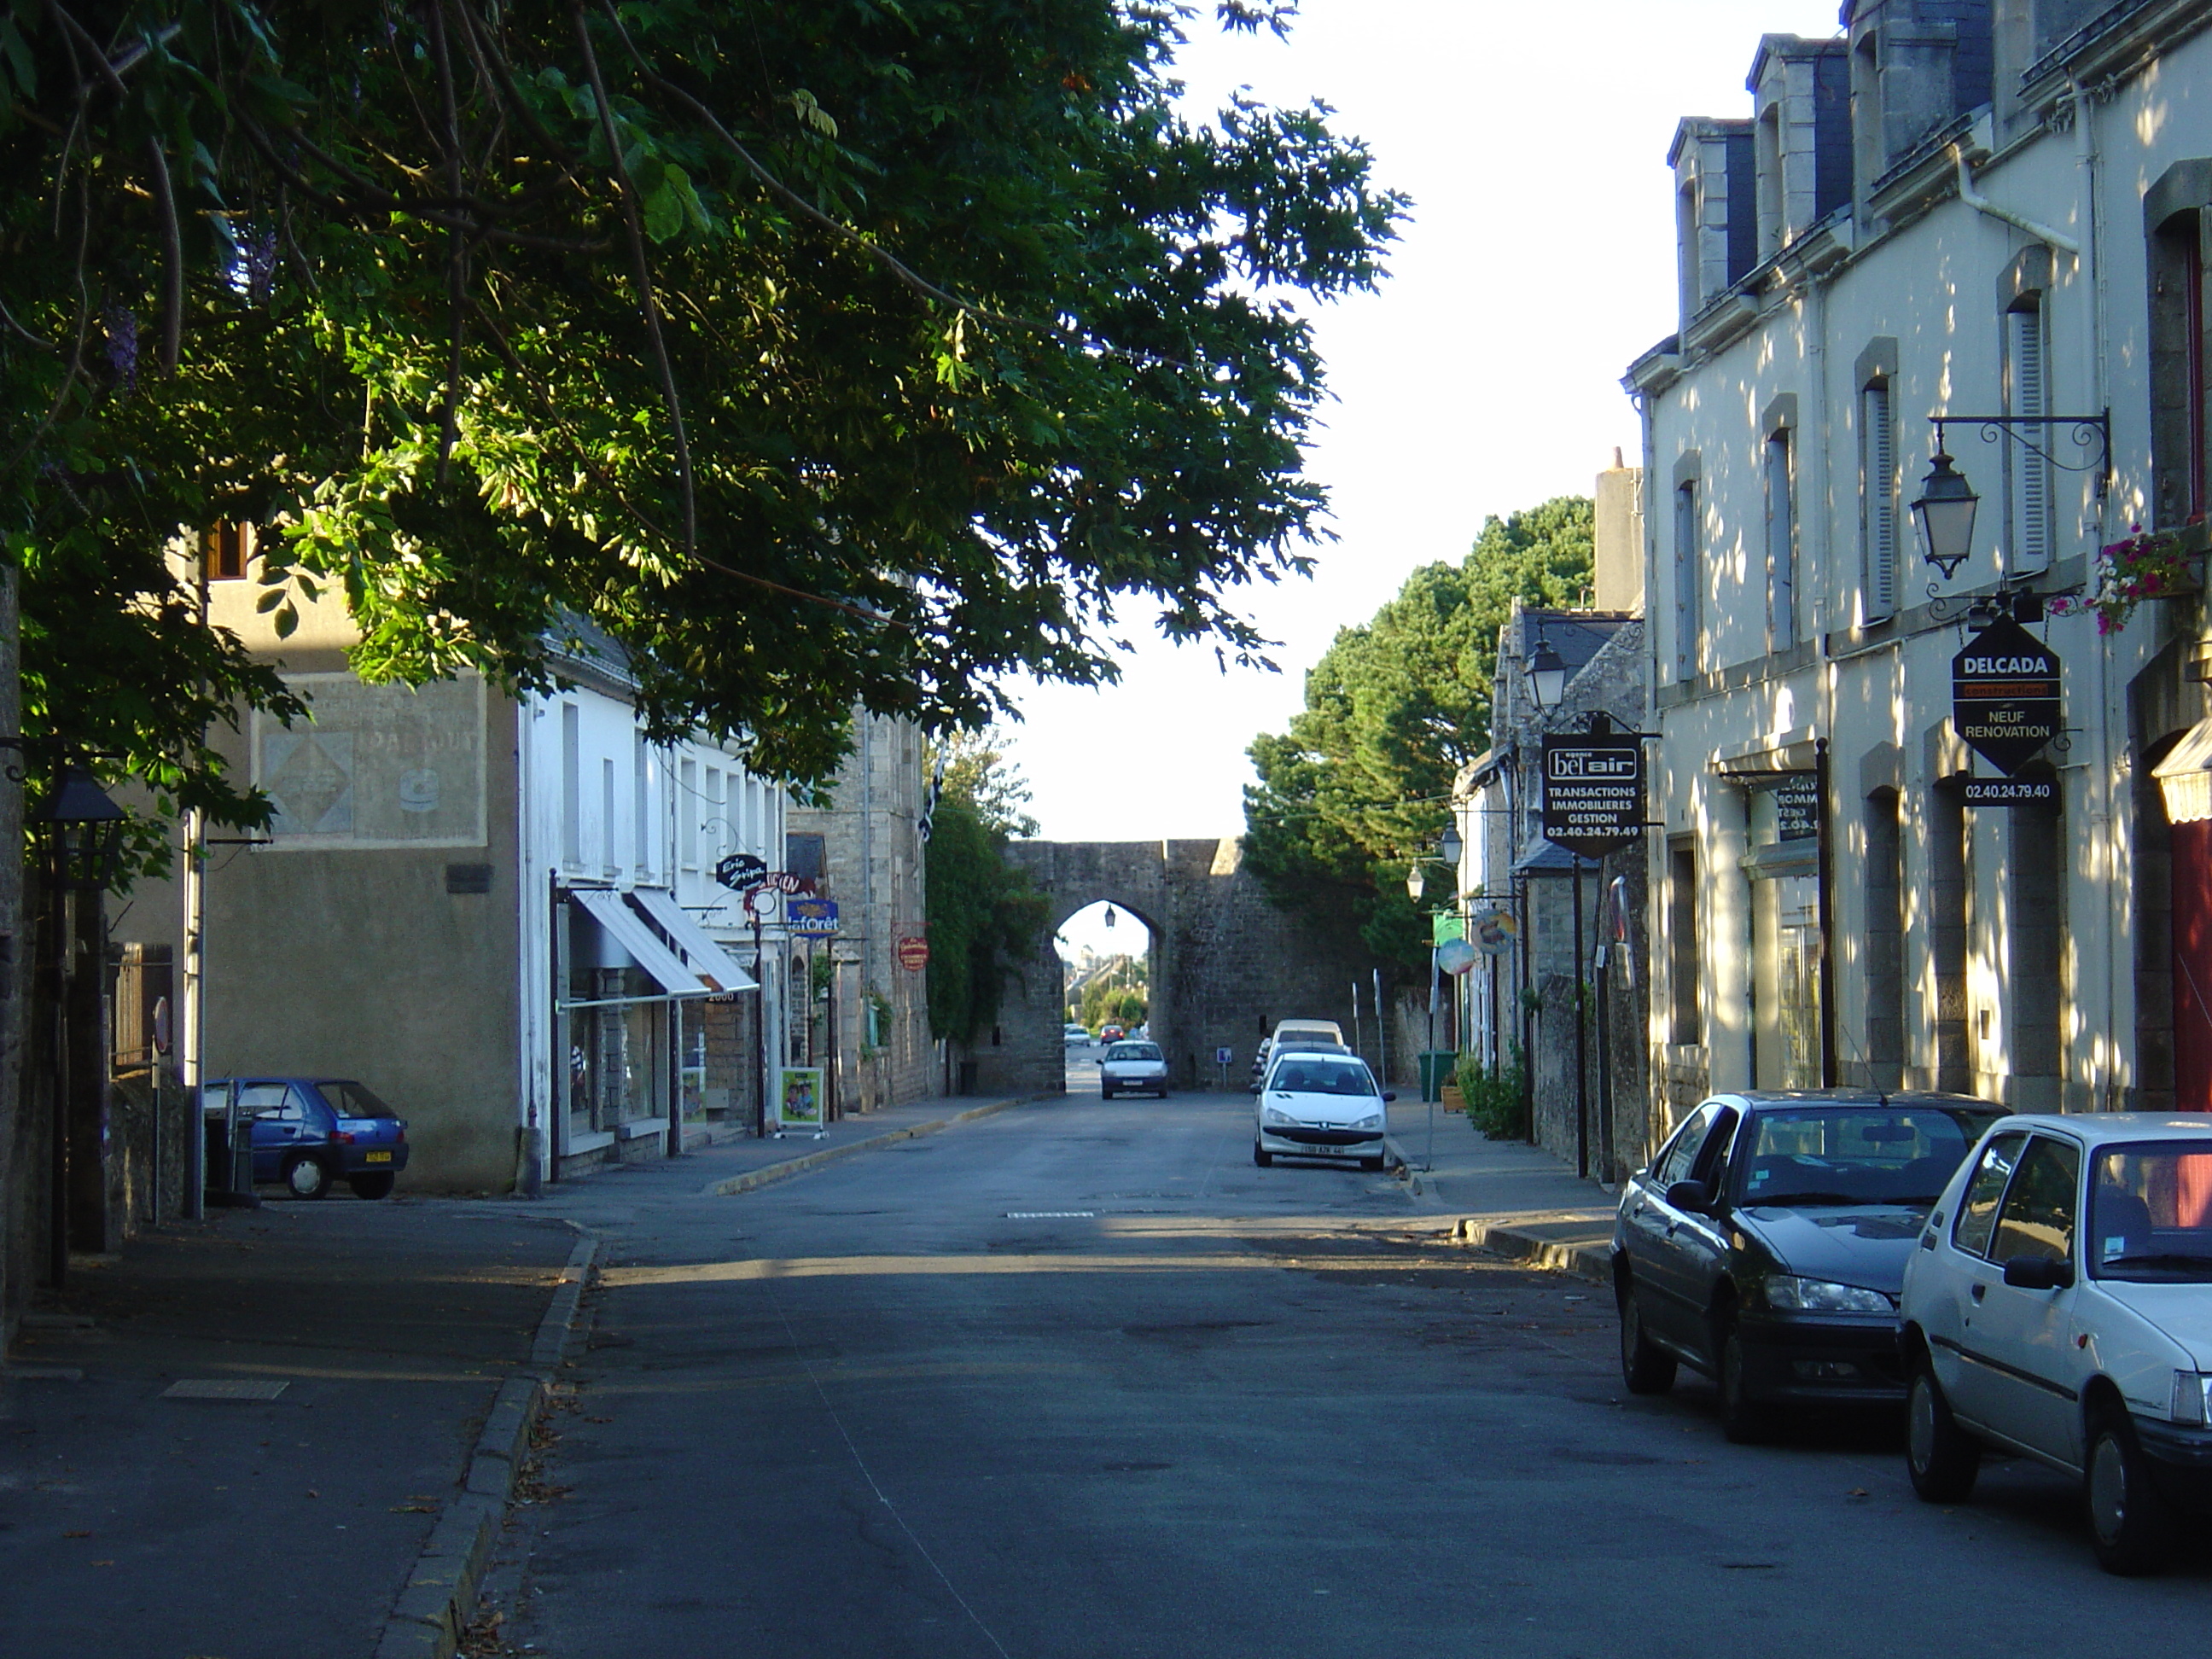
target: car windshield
353 1100
1321 1077
2150 1212
1855 1154
1134 1051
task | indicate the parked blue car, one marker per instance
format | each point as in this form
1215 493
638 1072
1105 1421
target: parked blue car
310 1132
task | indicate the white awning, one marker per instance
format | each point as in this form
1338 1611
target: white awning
623 926
2184 777
707 959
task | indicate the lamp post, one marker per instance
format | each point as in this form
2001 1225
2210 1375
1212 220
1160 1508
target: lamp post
84 843
1548 685
1945 513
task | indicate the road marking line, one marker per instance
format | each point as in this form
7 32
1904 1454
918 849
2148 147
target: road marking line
1050 1215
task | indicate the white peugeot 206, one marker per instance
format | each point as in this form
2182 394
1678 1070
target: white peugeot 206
2059 1306
1317 1104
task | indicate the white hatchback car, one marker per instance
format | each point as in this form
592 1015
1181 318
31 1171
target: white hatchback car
1131 1067
1317 1104
2060 1306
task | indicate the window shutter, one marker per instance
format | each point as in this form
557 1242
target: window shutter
1878 469
2031 548
1781 546
1686 581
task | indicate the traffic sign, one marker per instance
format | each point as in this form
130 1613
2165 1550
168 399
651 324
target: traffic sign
1594 790
914 954
2005 694
811 918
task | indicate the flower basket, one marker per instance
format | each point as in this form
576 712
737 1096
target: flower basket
2146 566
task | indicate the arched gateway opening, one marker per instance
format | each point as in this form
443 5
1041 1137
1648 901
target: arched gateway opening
1223 963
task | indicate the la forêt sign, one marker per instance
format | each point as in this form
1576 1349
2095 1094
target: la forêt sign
1592 791
811 918
2004 695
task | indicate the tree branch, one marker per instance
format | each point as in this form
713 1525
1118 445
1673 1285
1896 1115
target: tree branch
173 257
648 306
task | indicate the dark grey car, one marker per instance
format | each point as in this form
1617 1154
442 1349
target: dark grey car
1766 1245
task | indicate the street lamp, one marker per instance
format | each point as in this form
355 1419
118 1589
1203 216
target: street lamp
1945 513
1450 847
1548 674
1416 883
87 831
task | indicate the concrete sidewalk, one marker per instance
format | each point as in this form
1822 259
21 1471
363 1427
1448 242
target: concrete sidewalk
248 1436
1508 1196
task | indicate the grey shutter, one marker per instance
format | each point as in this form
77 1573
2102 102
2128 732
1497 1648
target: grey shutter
1781 546
1686 573
2031 547
1878 475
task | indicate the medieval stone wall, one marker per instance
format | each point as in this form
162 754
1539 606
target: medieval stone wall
1226 963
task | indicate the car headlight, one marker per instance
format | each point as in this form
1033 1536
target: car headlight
1268 1114
2192 1399
1824 1296
1372 1121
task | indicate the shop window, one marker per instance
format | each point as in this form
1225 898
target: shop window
2035 986
1948 887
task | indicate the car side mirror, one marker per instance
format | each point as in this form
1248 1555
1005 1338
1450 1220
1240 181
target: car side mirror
2038 1272
1389 1094
1694 1195
1253 1090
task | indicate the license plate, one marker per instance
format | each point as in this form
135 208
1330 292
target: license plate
378 1158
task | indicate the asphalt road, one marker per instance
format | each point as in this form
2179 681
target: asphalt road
1079 1381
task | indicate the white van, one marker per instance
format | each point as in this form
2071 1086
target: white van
1307 1032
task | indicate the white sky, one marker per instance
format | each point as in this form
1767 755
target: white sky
1483 378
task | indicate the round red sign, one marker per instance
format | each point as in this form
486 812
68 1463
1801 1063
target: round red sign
914 954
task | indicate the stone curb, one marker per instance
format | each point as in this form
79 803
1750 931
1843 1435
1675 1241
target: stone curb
426 1621
746 1182
1591 1261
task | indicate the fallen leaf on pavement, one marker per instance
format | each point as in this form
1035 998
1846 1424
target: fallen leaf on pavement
76 1535
1857 1492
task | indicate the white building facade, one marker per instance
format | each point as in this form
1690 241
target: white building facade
1957 209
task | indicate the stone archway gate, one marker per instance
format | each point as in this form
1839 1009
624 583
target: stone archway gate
1226 963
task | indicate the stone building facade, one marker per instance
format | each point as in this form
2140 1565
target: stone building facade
871 1012
1958 208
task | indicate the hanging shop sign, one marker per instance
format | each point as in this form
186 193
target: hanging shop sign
1445 926
2012 792
1496 932
1594 790
914 954
1456 956
1798 806
811 918
2004 695
738 871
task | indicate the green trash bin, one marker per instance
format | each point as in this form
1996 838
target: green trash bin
1436 1068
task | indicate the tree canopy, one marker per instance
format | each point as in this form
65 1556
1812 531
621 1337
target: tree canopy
1362 781
862 353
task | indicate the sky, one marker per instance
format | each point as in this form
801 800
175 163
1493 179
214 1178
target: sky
1484 376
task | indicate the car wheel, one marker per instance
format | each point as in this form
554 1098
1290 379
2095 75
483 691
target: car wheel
1941 1457
378 1185
2130 1524
1643 1368
1743 1420
1105 1091
1372 1166
1262 1157
306 1176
